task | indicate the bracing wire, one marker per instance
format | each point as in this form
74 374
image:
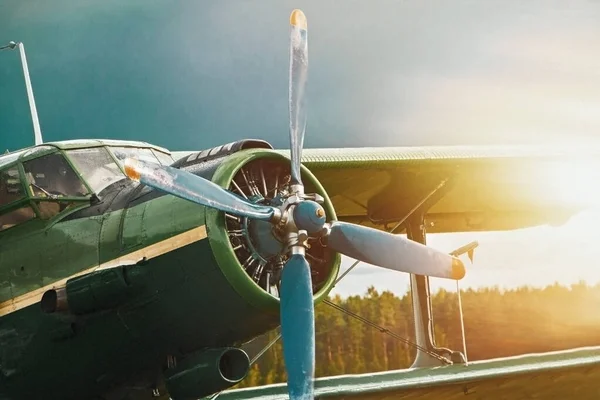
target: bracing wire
462 323
386 331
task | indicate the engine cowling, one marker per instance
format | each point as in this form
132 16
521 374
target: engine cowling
248 252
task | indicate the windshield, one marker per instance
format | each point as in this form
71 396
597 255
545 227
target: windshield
96 166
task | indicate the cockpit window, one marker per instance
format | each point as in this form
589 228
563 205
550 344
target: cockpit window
11 189
96 166
52 177
121 153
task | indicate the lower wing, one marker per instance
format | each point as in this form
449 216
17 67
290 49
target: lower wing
571 374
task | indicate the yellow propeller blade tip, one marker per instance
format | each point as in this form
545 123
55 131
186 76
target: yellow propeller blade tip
298 19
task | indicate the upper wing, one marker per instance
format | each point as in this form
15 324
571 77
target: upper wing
571 374
479 188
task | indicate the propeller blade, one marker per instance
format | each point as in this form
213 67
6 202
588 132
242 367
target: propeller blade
298 327
392 251
297 82
191 187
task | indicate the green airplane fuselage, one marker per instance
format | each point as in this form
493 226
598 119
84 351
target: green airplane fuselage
150 278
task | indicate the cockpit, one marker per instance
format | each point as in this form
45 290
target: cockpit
48 180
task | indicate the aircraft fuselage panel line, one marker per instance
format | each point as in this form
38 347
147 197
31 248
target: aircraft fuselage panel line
132 258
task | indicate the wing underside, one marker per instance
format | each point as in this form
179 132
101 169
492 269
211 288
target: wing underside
458 188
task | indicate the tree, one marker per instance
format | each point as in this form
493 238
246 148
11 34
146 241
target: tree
498 323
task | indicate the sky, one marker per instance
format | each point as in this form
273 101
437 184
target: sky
191 75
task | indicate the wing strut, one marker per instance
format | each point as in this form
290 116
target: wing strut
468 249
422 309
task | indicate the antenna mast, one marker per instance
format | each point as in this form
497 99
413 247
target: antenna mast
34 116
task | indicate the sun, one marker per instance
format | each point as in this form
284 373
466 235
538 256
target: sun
570 183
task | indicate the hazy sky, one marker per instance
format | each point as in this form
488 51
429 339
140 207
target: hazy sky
189 74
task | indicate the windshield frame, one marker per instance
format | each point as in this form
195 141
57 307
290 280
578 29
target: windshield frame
31 200
31 195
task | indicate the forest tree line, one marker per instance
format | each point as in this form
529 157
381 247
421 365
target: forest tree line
498 323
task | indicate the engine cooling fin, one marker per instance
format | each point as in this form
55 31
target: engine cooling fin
258 246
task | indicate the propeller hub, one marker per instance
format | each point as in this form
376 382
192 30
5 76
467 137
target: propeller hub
309 216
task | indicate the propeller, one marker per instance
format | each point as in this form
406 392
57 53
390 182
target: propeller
299 217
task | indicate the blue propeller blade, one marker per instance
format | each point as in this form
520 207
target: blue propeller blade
191 187
392 251
298 327
297 87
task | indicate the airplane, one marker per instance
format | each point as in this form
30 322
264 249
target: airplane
129 271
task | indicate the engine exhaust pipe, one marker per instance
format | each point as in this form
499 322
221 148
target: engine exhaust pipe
55 300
